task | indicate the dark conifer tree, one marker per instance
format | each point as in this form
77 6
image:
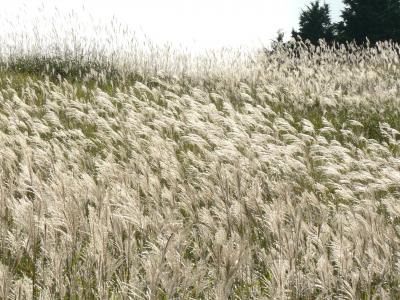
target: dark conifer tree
376 20
315 23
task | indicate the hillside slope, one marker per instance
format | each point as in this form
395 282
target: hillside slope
283 184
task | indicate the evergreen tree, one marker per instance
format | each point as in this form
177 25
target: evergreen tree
373 19
315 23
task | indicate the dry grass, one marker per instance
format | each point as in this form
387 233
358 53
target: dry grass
276 178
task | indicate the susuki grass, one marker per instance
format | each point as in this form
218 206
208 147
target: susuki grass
159 176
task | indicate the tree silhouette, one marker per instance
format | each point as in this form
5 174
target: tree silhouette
315 23
376 20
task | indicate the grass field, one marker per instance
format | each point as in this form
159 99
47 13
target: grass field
272 176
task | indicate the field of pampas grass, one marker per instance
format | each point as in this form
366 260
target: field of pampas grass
273 176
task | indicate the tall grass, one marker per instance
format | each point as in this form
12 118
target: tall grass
151 176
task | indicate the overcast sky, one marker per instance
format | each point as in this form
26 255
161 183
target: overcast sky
193 24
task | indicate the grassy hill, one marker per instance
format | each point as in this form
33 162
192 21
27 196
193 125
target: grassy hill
275 178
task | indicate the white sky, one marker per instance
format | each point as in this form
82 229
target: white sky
193 24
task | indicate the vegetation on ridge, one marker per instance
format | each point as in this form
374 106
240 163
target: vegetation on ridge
362 22
278 178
